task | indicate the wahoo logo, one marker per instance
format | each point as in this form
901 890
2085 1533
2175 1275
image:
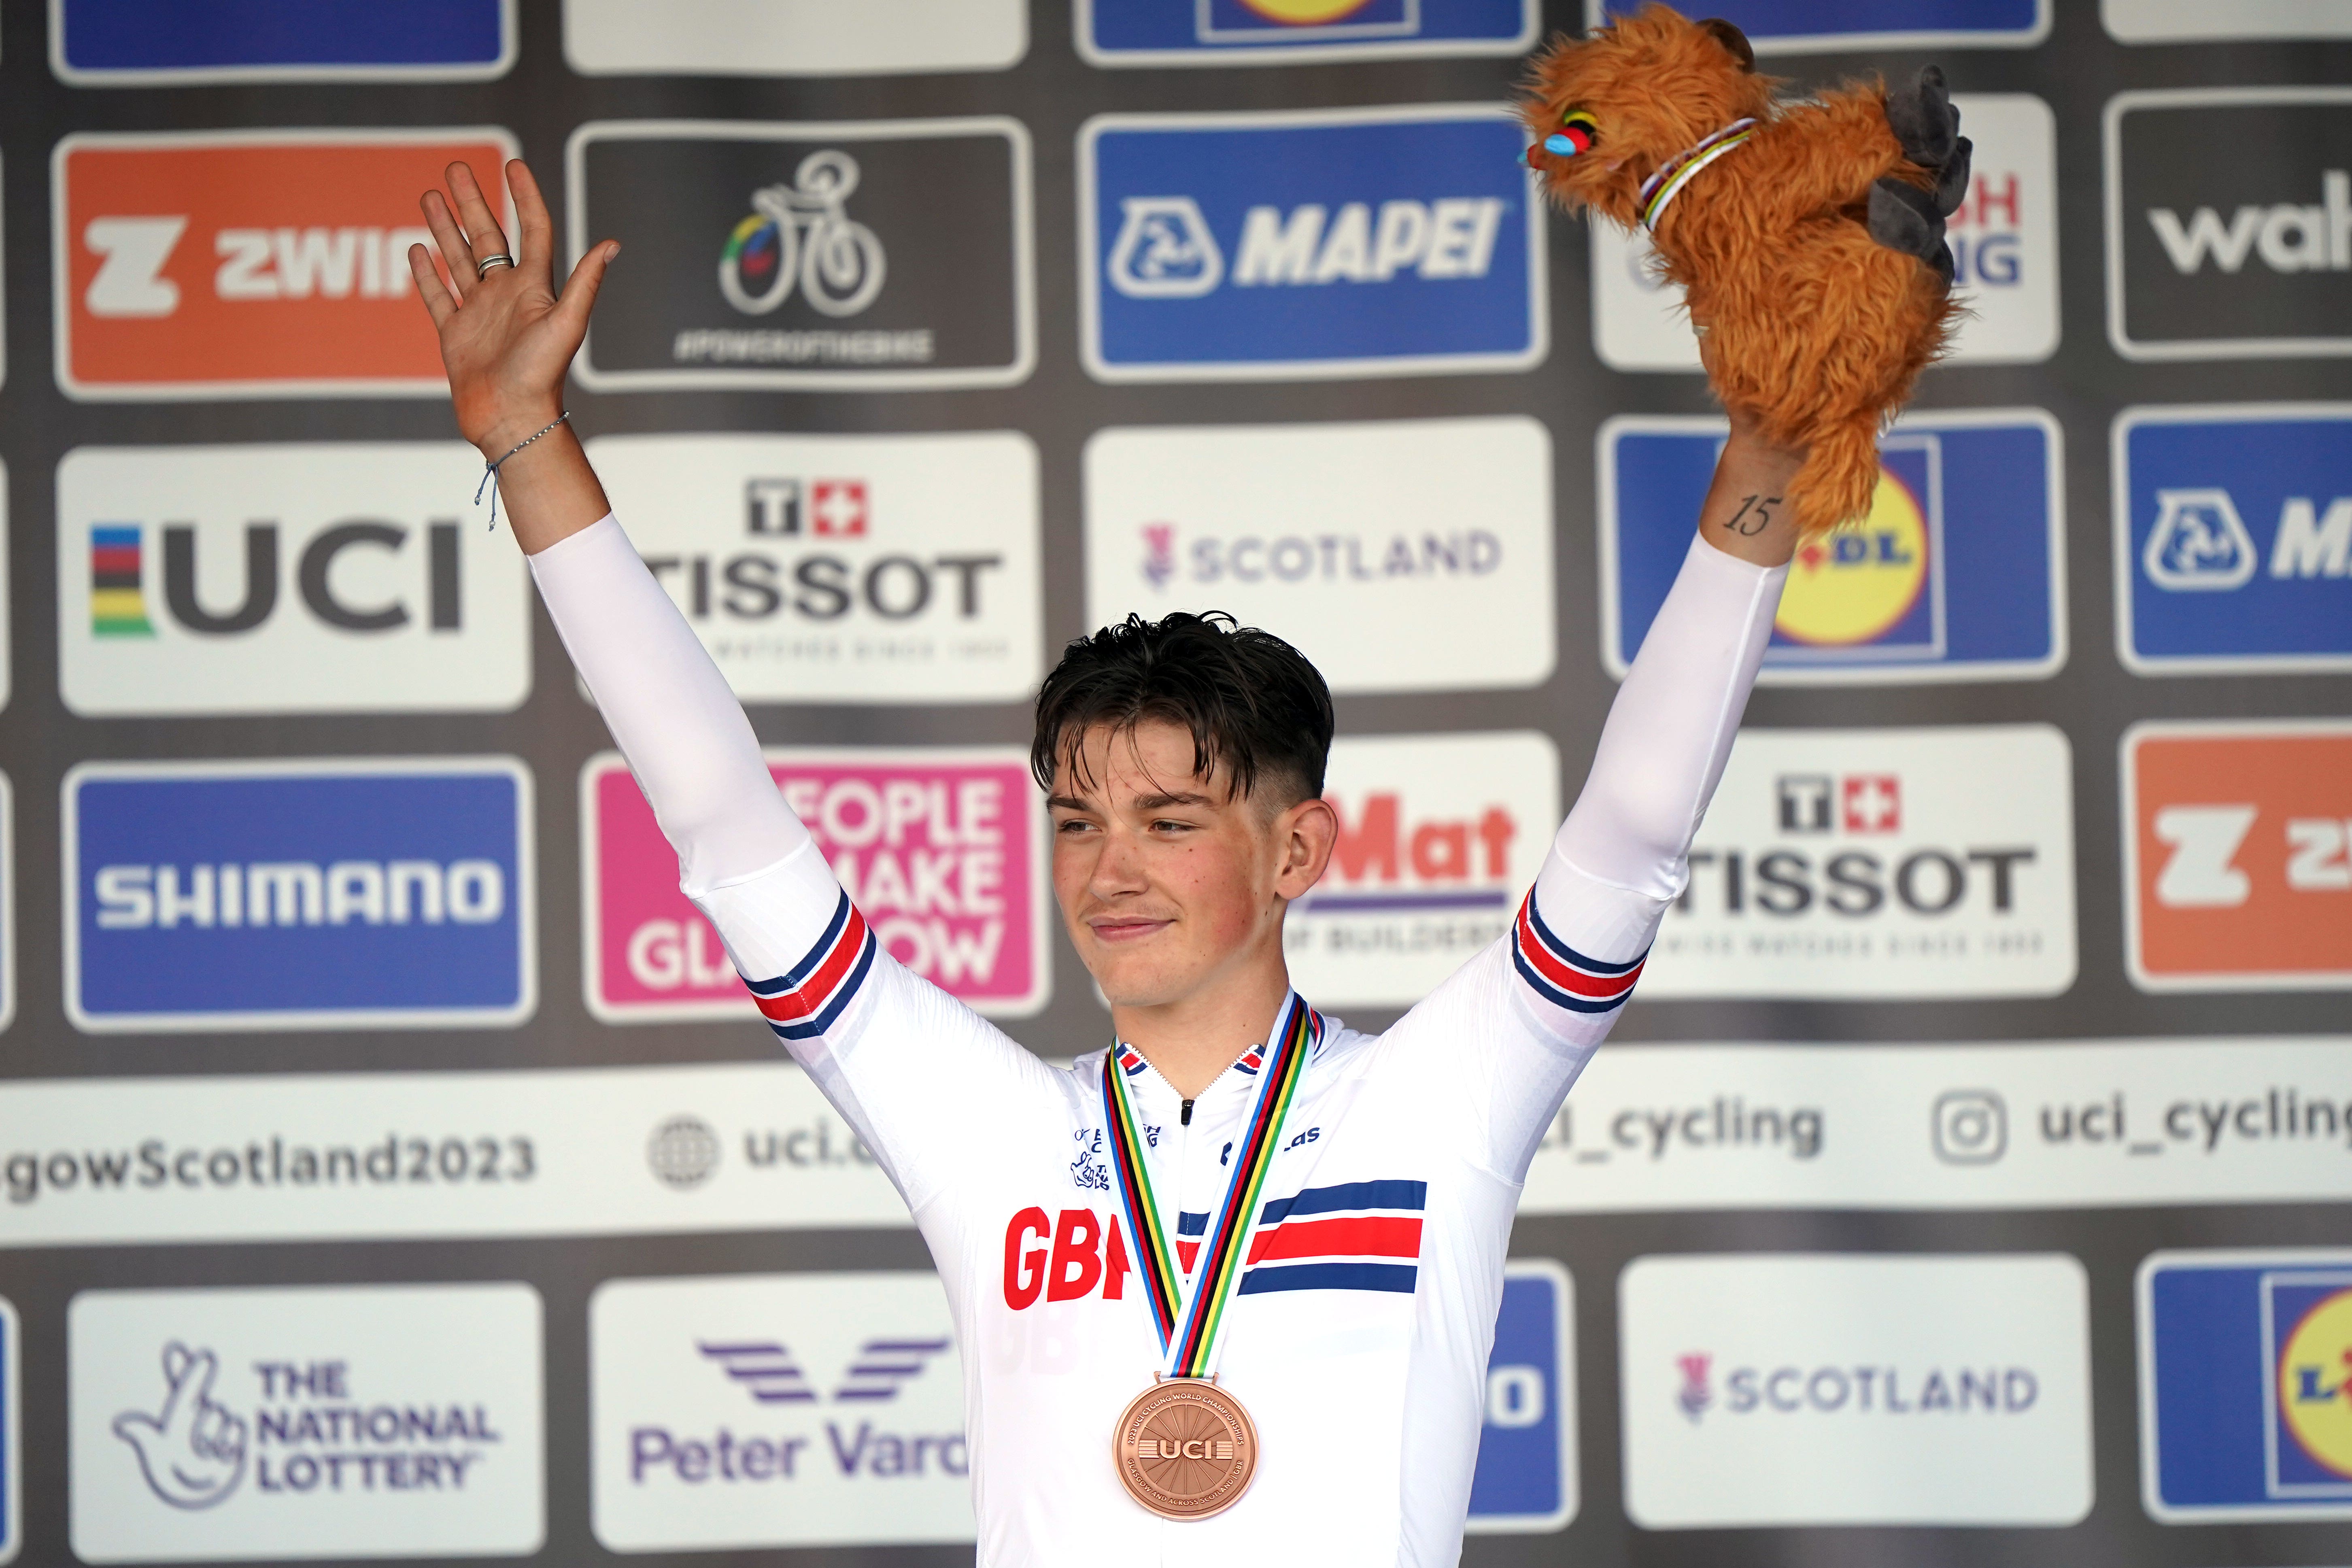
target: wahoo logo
2238 258
118 604
1356 1236
1251 246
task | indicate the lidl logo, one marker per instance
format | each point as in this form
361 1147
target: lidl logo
106 43
1955 573
1805 27
1526 1477
1266 32
386 893
2246 1385
248 263
2233 538
1316 244
2238 855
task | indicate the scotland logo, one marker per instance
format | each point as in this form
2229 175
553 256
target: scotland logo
1322 244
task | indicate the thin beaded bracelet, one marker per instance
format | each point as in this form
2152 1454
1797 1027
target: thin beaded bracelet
490 470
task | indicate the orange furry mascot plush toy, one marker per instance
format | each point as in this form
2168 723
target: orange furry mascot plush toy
1808 236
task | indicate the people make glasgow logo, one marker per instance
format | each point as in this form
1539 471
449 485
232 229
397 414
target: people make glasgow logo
2229 258
2233 538
875 254
1236 247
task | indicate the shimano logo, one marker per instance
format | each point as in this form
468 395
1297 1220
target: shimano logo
1165 248
2286 238
300 893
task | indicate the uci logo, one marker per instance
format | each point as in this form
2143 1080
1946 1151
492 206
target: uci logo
1854 586
325 577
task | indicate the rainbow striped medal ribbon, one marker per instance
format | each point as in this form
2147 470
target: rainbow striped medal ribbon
1682 168
1185 1448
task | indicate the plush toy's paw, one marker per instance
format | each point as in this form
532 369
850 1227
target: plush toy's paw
1902 217
1923 118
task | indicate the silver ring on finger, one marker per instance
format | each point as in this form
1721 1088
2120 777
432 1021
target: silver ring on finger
483 267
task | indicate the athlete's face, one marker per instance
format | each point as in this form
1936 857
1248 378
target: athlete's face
1169 884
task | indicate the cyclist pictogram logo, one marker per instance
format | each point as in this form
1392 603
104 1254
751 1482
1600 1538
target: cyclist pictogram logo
799 236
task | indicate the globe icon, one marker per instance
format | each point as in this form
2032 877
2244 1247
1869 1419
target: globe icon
683 1151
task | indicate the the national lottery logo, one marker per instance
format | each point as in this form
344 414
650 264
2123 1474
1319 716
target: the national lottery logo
1266 32
864 255
1249 245
248 264
2233 537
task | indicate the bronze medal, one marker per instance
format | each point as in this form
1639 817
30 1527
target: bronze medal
1185 1448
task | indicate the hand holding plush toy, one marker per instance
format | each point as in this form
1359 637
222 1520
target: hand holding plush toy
1808 235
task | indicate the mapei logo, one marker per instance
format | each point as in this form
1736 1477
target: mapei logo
2238 855
1777 27
1269 32
1955 574
2233 538
328 894
771 1374
123 43
1224 246
868 254
2270 1437
2209 261
249 263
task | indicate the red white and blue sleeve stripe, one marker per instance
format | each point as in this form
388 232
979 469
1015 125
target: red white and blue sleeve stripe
804 1002
1565 977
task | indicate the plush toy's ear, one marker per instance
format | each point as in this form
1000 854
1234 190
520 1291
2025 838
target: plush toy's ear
1732 39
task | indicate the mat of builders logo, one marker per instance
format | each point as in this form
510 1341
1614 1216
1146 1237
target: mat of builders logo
1806 26
315 578
2233 538
12 1461
1310 244
1879 863
1525 1478
874 254
2230 258
343 1421
1439 837
1767 1390
1264 32
2238 855
347 893
2245 1386
776 1410
1333 534
127 43
1956 574
247 263
793 37
846 568
942 850
2004 240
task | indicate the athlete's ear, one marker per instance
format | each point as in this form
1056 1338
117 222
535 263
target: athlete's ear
1306 833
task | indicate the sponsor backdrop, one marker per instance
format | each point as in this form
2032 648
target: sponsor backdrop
391 1168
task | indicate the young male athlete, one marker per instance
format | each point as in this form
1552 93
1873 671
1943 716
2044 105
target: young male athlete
1226 1290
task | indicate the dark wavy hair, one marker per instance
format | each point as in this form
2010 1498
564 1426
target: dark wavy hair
1252 704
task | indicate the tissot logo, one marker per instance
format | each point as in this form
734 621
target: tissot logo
1266 32
2213 259
875 254
1858 863
2233 538
209 1425
248 264
317 577
776 1410
1241 247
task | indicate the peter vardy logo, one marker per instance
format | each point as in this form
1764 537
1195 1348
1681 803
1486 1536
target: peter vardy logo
770 1375
2233 537
298 894
1251 246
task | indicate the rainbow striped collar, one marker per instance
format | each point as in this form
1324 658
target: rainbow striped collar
1682 168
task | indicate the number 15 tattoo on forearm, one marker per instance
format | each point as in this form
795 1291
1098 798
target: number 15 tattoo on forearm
1754 514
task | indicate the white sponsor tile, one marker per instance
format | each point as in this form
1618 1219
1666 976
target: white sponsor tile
1439 837
12 1434
776 1410
844 568
1879 863
792 37
329 1421
1780 1390
1398 555
313 577
2191 21
2004 242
